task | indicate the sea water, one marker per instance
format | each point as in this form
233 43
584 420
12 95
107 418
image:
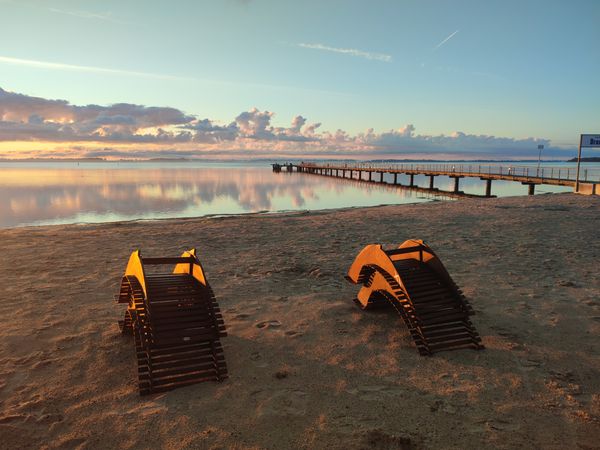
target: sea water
43 193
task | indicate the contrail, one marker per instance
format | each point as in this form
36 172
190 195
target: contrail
349 51
446 40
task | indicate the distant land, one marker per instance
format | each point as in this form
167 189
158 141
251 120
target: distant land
588 159
291 160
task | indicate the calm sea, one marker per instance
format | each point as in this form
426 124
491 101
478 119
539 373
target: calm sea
69 192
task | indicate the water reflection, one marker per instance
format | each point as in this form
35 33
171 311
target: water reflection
52 193
67 193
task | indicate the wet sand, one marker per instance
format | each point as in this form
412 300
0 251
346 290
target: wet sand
307 368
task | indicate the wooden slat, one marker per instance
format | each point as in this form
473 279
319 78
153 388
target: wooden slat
180 260
176 328
433 308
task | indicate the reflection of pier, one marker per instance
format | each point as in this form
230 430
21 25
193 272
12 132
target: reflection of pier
373 173
424 191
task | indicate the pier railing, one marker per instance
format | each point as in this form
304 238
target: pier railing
543 173
530 175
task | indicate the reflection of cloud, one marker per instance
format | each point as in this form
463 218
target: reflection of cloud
63 193
30 195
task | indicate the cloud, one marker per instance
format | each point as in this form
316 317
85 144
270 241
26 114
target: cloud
80 68
87 15
297 123
46 65
349 51
207 131
142 131
27 118
254 123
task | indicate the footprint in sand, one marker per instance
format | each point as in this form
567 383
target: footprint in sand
293 333
241 316
378 438
375 392
268 324
14 418
284 403
530 364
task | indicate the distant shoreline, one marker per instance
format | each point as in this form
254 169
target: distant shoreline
269 160
589 159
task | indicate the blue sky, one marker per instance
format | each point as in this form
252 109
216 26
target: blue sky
509 69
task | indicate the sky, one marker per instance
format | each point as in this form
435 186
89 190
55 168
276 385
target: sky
265 78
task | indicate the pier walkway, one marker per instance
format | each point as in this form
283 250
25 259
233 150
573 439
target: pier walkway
530 176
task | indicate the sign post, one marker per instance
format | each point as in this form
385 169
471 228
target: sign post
585 140
540 148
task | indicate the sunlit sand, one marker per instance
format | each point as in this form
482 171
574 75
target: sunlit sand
307 368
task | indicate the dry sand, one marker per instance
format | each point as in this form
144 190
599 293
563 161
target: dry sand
347 379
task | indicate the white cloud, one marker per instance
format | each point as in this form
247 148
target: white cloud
103 70
86 15
26 118
79 68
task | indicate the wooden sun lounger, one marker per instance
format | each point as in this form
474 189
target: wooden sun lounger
415 282
175 321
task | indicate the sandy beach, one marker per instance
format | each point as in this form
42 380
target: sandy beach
308 369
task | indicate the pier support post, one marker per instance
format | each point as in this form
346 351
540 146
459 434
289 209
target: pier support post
456 182
370 175
381 177
531 190
488 186
351 174
395 178
431 177
412 179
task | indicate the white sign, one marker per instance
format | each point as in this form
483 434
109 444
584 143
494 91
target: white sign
590 140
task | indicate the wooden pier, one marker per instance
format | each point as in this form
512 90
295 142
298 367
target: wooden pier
374 173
